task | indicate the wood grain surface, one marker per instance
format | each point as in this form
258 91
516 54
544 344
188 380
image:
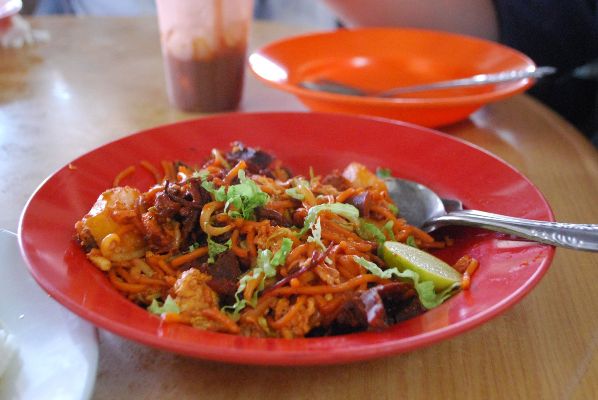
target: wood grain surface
99 79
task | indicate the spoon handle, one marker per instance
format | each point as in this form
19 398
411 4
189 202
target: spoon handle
477 80
572 236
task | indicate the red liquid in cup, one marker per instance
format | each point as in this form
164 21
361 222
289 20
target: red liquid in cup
207 85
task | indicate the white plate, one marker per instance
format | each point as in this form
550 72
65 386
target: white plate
9 7
57 352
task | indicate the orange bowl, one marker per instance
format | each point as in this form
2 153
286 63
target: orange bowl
383 58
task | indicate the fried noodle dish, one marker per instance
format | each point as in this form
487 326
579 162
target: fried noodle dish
239 245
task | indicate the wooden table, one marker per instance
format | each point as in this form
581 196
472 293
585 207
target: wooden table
99 79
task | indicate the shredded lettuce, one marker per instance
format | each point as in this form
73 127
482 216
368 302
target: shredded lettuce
201 174
312 175
410 241
240 302
241 199
369 231
388 229
347 211
280 257
301 181
244 197
264 262
169 306
383 172
215 248
219 194
294 193
425 290
316 235
263 323
265 267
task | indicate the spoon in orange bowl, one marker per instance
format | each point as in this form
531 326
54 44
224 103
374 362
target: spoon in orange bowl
331 86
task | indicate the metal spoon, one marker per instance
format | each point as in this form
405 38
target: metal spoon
423 208
326 85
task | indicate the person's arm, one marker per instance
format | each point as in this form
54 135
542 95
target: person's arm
470 17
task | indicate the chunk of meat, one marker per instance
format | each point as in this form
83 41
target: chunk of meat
161 237
200 303
374 309
180 203
192 293
164 206
400 302
190 194
350 317
299 322
225 274
257 160
190 231
363 202
197 192
390 303
336 180
274 216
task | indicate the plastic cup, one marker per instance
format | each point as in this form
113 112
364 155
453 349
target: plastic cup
204 45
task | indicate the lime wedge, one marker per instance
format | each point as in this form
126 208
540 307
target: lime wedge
429 268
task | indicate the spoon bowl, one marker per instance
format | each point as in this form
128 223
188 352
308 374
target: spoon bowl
422 207
417 203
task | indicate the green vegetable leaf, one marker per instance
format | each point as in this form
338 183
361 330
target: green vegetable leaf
244 198
294 193
280 256
241 199
266 267
219 194
383 172
347 211
388 229
369 231
241 303
169 306
264 263
215 248
425 290
410 241
316 235
201 174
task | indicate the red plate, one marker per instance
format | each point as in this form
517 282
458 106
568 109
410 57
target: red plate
509 268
